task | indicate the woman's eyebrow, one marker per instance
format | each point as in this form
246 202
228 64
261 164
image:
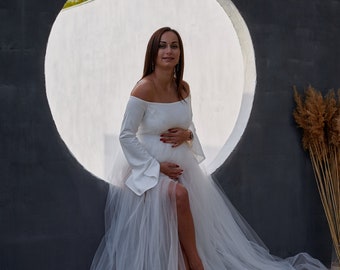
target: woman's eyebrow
170 42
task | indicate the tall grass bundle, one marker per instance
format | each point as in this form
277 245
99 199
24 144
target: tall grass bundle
71 3
319 118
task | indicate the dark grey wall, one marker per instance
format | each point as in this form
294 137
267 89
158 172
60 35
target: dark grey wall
51 209
268 176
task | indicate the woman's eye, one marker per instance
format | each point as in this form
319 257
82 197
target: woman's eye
172 46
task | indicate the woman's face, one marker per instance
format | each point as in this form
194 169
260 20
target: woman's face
168 51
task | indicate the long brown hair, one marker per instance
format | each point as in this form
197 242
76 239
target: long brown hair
152 52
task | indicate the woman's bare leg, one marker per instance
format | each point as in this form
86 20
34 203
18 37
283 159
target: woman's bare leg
186 228
186 263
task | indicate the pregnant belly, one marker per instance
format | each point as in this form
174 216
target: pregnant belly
165 152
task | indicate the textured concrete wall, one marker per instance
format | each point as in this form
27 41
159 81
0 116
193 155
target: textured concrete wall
51 208
268 176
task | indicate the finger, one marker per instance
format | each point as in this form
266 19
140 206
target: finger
178 172
167 135
174 165
166 139
176 143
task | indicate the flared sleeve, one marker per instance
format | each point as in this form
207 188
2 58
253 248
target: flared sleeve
145 168
195 144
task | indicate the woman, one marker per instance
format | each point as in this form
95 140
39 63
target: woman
166 214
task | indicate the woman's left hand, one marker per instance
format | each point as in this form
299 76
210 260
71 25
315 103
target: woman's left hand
176 136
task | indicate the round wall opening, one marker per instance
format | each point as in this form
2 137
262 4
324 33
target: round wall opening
95 56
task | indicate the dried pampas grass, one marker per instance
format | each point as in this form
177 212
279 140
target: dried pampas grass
319 118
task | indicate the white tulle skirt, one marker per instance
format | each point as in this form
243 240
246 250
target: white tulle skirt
141 231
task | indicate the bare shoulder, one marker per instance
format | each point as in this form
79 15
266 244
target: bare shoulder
185 89
144 89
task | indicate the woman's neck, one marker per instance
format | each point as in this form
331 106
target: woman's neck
163 80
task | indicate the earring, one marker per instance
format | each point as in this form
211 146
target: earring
152 66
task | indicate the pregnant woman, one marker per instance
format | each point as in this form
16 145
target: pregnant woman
165 213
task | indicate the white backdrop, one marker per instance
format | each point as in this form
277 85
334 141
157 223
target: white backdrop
95 56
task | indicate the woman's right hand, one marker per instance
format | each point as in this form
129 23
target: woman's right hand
171 170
